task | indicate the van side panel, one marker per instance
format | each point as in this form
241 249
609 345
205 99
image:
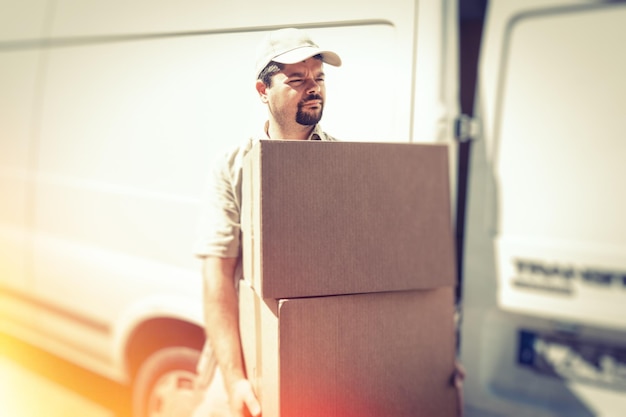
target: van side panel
20 86
136 100
23 20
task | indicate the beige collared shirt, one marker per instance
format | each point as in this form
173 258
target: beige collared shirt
219 232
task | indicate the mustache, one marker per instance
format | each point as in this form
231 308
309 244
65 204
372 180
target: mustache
311 97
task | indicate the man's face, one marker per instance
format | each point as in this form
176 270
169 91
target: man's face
297 93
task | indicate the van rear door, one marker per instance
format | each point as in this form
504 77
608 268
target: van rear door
544 329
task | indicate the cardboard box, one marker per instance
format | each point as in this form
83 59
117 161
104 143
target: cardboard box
329 218
364 355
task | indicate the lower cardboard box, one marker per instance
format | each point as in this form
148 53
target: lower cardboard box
362 355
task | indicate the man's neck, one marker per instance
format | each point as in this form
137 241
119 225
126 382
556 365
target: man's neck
299 132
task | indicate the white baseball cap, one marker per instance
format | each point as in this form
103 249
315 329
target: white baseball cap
288 46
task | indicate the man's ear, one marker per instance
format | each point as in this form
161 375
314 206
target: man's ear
261 88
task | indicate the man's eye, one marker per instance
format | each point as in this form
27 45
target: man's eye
295 81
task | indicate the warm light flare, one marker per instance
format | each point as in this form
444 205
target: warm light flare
15 398
26 394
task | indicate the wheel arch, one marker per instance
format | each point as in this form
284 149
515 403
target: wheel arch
158 333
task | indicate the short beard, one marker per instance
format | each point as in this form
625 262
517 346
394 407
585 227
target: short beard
309 119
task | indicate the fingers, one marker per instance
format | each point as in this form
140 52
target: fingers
252 404
244 401
460 370
457 381
459 375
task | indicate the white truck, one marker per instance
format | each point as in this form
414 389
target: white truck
111 112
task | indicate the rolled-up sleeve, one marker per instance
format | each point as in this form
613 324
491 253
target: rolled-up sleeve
219 229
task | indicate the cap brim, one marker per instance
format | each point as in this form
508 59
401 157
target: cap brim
306 52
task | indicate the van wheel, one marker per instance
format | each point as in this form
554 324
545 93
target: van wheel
164 386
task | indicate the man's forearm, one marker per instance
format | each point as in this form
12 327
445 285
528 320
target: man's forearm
222 317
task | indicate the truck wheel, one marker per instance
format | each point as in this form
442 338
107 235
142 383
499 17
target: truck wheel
164 385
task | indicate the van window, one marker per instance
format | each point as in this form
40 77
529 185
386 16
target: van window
559 153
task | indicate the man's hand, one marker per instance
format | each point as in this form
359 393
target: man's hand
457 381
243 401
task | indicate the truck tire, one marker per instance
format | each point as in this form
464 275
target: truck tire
164 385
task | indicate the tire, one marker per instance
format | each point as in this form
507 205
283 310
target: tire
164 385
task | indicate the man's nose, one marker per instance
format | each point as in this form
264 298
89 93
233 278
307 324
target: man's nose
313 86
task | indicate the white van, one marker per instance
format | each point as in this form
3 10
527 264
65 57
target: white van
111 112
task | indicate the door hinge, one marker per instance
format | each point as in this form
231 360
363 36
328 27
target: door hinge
466 128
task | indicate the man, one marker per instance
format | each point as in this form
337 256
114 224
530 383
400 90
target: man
290 82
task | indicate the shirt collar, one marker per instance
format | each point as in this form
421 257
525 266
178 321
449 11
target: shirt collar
316 133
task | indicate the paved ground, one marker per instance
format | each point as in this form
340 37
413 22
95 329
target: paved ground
36 384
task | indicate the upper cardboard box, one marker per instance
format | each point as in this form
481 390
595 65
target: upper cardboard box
330 218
